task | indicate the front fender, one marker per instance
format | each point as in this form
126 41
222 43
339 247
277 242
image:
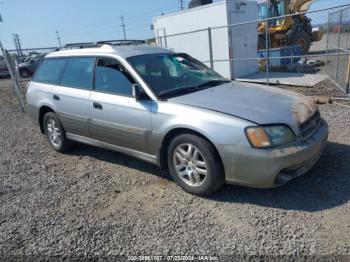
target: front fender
217 127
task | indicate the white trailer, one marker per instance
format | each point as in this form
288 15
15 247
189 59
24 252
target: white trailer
188 31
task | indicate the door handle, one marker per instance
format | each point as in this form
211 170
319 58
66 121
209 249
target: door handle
56 97
97 105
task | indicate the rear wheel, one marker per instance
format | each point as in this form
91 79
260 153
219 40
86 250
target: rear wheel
55 133
194 165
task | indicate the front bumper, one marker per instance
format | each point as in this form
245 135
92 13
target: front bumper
267 168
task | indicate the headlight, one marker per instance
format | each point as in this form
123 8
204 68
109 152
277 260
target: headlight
269 136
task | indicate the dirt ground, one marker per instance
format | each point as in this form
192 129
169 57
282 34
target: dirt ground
94 202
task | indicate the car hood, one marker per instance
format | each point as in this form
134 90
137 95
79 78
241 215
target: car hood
256 103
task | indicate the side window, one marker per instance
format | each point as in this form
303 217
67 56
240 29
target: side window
50 70
79 72
112 77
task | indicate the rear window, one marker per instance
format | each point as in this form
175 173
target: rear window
50 71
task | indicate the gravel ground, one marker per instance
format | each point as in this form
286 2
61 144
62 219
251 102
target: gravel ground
94 202
323 89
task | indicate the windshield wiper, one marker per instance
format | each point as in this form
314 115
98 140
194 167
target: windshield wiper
212 83
186 90
180 91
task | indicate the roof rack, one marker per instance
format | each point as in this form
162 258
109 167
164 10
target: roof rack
100 43
121 42
80 45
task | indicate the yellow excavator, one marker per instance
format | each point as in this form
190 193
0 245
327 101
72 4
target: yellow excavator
290 30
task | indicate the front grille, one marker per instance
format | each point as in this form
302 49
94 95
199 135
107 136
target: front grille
309 127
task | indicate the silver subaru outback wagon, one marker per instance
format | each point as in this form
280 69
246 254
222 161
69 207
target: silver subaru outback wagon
171 110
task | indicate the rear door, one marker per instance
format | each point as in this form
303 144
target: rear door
71 97
116 117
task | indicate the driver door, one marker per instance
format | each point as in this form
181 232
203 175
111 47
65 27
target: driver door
117 117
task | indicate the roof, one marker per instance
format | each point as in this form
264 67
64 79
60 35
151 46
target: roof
122 51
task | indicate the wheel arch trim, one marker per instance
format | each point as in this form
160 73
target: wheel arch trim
173 132
43 109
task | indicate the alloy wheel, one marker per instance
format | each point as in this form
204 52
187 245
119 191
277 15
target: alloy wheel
54 133
190 165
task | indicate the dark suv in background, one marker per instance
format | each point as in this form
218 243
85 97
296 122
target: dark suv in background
3 68
28 66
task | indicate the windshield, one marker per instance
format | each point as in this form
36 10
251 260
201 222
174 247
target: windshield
174 74
272 9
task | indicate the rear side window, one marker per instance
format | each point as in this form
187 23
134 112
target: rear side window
79 73
50 71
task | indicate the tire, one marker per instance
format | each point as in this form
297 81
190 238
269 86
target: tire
261 42
302 38
53 128
24 73
190 175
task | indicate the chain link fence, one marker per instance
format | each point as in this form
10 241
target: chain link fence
9 67
300 49
20 65
27 60
338 48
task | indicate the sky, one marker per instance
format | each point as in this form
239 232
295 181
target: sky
36 21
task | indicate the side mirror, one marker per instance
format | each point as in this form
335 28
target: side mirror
136 91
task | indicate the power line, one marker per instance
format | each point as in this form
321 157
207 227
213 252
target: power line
123 26
97 27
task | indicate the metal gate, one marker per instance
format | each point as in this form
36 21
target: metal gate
338 48
10 63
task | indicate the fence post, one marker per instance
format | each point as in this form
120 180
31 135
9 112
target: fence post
348 77
267 52
10 65
339 38
165 40
210 49
327 44
159 38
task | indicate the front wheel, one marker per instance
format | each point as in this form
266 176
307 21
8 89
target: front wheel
194 165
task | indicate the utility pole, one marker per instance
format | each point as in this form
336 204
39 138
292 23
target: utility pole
123 26
58 38
181 4
16 44
0 13
19 44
